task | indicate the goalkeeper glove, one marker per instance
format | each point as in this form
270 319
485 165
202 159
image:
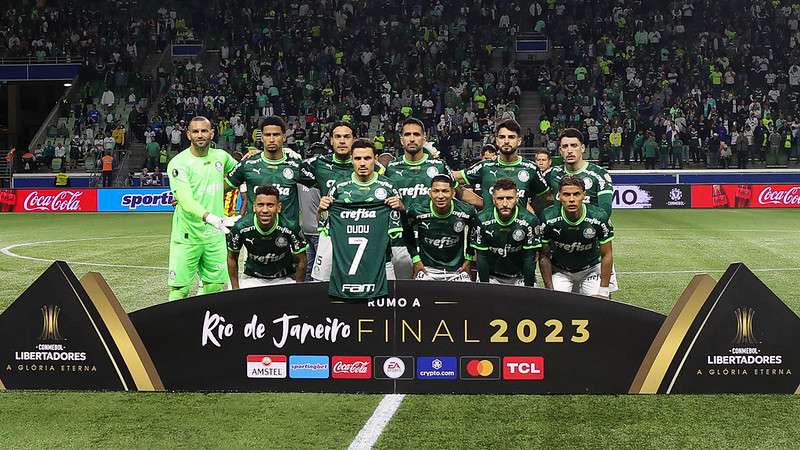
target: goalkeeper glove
221 223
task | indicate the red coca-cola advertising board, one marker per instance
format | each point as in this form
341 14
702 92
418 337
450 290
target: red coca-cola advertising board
746 196
55 200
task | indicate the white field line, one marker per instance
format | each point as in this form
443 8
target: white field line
7 251
369 434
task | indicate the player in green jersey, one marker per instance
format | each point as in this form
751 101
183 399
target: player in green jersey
442 227
596 179
272 167
365 188
276 249
197 242
509 164
576 254
505 239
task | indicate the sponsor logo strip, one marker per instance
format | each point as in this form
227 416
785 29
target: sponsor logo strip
352 367
523 368
437 368
266 366
309 366
479 367
394 368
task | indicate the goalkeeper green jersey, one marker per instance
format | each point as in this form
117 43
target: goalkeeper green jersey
198 186
575 246
442 241
270 253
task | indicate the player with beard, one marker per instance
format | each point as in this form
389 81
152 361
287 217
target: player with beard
596 180
576 253
505 239
276 248
509 164
197 242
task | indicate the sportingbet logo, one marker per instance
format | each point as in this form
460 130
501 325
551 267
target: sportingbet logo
418 190
133 201
357 214
266 366
355 288
523 368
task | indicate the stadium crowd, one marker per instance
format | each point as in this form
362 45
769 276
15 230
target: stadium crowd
674 82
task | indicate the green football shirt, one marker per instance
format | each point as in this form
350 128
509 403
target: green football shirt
270 253
575 246
284 174
442 241
197 183
596 180
506 243
524 173
329 170
412 179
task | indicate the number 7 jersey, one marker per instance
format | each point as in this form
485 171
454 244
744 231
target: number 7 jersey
360 234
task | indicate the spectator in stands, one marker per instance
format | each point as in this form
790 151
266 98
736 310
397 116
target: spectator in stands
119 137
107 166
62 178
60 152
157 176
146 178
28 161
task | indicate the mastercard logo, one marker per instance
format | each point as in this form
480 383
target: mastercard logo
485 368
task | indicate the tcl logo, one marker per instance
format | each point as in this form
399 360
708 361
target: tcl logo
523 368
357 367
52 200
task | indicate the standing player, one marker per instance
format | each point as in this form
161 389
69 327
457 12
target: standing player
272 167
509 164
596 179
505 239
361 226
441 248
412 176
197 242
576 254
276 248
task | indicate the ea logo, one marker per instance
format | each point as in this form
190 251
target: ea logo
394 367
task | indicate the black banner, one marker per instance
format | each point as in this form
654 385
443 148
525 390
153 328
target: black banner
425 337
657 196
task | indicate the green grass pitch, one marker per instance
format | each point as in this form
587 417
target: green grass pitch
656 254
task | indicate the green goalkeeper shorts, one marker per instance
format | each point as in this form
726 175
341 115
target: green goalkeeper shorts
209 258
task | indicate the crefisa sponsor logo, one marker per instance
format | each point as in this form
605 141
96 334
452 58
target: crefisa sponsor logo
523 368
309 366
51 354
266 366
353 367
745 356
436 368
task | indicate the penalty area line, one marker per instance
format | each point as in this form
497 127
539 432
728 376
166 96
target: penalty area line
372 430
8 252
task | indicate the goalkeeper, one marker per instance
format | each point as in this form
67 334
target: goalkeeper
197 243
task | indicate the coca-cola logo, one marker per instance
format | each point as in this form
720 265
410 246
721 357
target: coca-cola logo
787 197
359 367
58 201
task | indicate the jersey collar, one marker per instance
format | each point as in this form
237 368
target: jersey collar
582 169
273 161
338 161
566 219
435 214
361 183
515 163
415 163
510 221
271 229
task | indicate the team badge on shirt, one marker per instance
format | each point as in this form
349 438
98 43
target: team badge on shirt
588 233
432 171
458 227
218 166
524 176
518 235
281 241
380 193
288 173
588 183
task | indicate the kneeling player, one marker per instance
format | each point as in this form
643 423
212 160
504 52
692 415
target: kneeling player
440 250
576 251
505 239
276 248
